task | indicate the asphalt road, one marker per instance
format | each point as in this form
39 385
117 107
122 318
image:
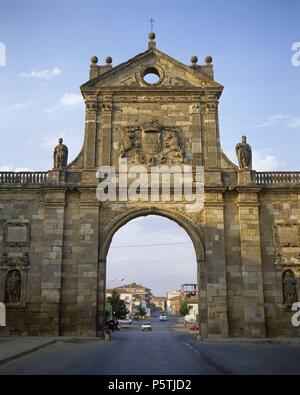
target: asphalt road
161 351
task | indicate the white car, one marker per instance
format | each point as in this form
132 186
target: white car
125 321
146 326
163 317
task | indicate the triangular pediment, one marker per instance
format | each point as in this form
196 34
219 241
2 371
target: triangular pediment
172 74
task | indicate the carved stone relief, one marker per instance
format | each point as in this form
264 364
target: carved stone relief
16 234
152 144
287 243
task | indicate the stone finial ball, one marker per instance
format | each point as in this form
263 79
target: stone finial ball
108 60
208 59
194 59
94 59
151 36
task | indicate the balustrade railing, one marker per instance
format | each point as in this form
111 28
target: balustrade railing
277 177
23 177
40 177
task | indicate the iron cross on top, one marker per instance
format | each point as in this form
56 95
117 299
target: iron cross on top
151 22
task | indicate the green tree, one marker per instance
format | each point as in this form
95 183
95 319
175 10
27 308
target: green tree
118 305
141 311
184 308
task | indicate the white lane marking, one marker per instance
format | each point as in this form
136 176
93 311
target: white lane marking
191 348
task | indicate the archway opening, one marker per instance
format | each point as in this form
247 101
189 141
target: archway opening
152 266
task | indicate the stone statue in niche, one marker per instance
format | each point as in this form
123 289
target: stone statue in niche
244 154
60 155
289 288
13 287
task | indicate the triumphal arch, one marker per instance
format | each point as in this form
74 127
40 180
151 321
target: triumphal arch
55 231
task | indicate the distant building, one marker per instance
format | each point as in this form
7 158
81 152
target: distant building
188 289
160 302
173 293
173 304
190 295
134 295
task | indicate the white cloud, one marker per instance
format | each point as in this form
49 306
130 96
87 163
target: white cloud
46 73
293 123
273 120
261 160
71 99
265 162
16 107
17 169
50 110
282 120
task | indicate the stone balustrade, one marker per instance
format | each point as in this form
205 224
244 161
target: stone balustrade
40 177
23 177
277 177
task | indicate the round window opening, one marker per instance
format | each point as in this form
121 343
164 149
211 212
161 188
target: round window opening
151 76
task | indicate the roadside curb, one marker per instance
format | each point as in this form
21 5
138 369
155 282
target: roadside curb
252 341
25 352
63 339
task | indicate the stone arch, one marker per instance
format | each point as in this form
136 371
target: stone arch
181 220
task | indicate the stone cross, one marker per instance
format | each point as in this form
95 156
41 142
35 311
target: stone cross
151 22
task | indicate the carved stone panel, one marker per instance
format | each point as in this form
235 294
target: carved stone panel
152 144
287 243
16 234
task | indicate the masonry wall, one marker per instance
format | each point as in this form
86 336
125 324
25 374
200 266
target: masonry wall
278 207
23 206
63 280
235 300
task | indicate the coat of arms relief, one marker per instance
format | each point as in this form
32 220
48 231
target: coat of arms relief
152 144
287 243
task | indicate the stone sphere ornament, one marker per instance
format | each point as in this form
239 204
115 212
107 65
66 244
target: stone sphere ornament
108 60
208 59
194 59
94 60
151 35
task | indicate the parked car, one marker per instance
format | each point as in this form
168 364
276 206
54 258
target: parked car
194 327
146 326
125 321
163 317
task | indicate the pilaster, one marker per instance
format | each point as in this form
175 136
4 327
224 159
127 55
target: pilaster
90 133
52 262
87 267
209 106
254 316
106 132
215 265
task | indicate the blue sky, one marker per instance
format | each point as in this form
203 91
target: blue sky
49 44
161 267
48 48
